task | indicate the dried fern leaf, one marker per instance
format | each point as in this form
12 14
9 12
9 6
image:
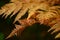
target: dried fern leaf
7 7
14 1
4 9
50 17
14 32
24 9
44 17
56 26
57 36
18 27
21 13
11 33
18 7
52 2
10 11
41 6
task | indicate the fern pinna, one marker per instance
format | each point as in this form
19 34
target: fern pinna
45 12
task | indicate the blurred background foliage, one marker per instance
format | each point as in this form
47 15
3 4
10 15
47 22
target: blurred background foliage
34 32
3 2
1 36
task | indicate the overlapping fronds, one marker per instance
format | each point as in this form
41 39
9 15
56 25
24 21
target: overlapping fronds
23 5
43 11
51 18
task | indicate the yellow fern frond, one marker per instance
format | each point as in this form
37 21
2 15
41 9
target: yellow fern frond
47 13
57 36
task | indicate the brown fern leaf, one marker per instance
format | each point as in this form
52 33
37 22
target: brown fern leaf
16 5
49 17
43 11
19 28
14 32
52 2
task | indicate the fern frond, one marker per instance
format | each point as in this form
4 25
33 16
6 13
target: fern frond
50 18
24 23
24 9
47 13
19 6
15 30
41 6
10 11
6 8
56 28
16 3
21 13
57 36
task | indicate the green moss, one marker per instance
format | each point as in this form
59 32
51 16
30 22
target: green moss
1 36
